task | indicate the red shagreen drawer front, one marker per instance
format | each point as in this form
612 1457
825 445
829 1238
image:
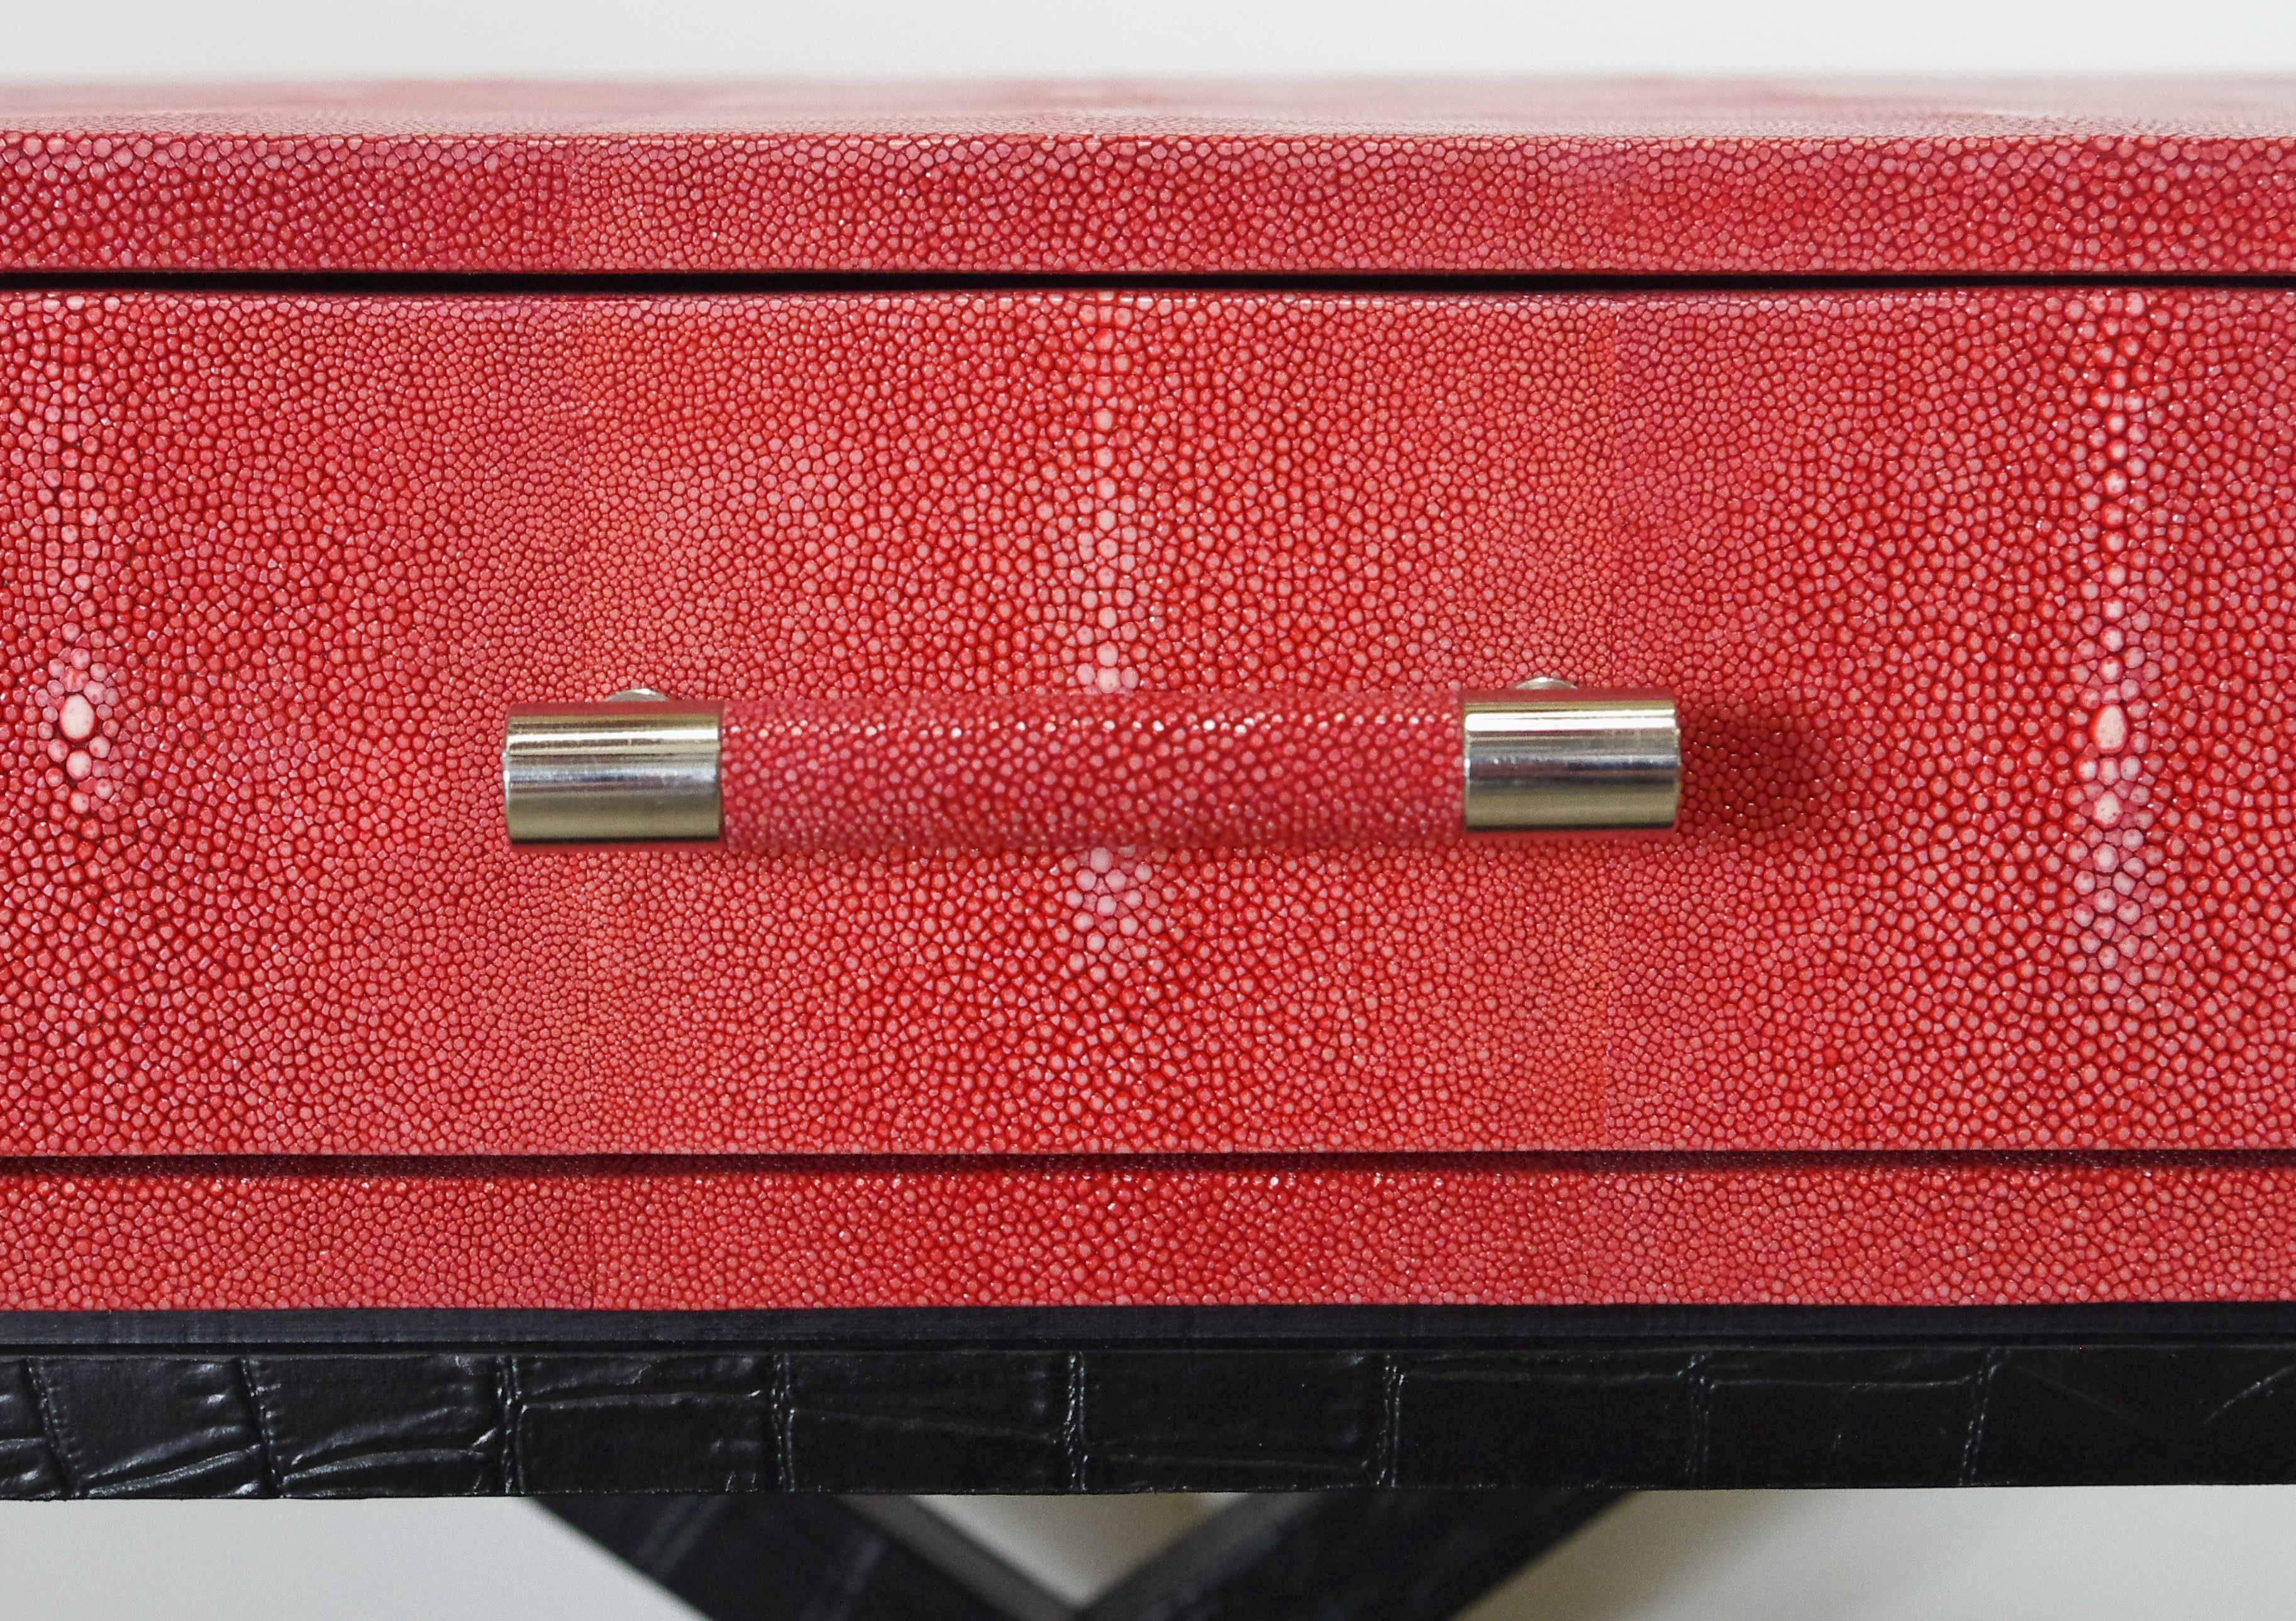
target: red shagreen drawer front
1979 604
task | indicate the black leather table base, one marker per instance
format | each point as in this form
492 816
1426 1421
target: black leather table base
347 1404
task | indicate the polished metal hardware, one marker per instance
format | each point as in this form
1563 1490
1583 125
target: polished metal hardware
638 768
1548 757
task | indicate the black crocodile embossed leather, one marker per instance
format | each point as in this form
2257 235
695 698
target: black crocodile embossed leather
303 1405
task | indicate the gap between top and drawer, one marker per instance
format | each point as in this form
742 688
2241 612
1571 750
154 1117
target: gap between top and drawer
676 284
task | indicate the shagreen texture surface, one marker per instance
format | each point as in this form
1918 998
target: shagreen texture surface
2129 177
1978 604
1963 980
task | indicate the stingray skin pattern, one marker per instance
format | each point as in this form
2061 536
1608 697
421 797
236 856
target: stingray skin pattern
1486 176
1092 770
1557 1229
1087 503
1978 604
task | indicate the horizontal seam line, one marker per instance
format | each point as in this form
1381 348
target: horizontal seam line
1072 1162
828 283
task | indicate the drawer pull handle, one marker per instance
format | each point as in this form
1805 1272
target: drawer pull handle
1067 771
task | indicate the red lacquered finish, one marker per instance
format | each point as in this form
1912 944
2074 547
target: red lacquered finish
1980 600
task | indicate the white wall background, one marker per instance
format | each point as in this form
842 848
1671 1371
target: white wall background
147 39
2227 1556
2188 1554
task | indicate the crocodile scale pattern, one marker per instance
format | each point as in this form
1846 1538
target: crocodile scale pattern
1979 602
1092 770
2117 177
776 1410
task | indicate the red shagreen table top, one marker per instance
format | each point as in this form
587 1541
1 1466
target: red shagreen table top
1488 175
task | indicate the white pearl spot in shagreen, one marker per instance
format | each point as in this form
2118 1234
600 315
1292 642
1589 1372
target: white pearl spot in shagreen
78 721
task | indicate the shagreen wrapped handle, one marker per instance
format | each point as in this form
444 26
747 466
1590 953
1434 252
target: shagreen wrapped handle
1063 771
